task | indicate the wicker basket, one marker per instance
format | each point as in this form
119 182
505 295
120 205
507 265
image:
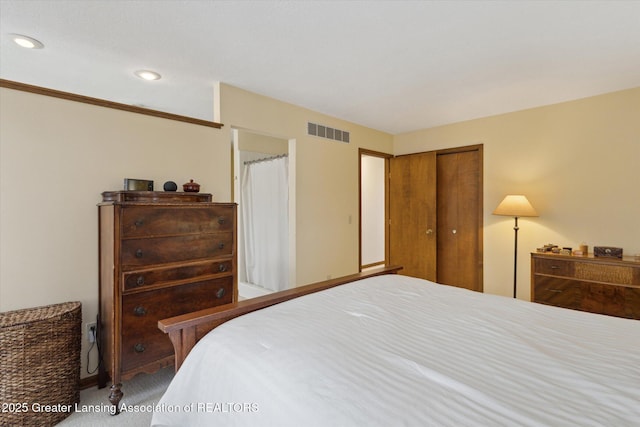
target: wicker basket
40 364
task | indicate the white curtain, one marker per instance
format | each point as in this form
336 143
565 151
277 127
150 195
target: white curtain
265 201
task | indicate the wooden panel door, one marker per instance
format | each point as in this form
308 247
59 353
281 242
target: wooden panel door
459 213
412 214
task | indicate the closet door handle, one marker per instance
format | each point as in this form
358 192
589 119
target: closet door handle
454 231
429 231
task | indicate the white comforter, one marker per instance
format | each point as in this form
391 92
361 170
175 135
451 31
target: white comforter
394 350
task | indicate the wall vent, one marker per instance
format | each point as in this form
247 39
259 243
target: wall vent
327 132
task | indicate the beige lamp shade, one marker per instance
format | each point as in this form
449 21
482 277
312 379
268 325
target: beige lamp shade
516 206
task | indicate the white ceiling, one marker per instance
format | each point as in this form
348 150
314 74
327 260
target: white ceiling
395 66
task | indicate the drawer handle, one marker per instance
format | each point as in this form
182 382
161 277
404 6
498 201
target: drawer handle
140 281
139 348
222 268
555 267
140 311
221 245
220 293
138 223
555 290
139 253
222 220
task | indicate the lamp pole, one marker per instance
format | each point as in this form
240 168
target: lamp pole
515 205
515 258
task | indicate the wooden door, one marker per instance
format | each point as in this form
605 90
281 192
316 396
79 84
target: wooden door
412 214
459 213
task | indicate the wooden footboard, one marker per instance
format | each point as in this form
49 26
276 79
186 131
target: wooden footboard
187 329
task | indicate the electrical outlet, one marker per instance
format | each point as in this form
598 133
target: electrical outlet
91 332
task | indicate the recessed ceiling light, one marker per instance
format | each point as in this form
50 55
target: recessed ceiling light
148 75
26 41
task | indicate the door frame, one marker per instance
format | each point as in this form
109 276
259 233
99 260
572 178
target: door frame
386 156
235 192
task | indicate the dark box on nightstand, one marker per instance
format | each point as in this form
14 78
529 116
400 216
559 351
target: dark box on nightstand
607 251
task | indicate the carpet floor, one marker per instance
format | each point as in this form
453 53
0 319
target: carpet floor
141 394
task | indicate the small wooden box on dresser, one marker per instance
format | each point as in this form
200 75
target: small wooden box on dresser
608 286
162 254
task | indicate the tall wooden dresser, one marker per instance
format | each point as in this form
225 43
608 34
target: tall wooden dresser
162 254
598 285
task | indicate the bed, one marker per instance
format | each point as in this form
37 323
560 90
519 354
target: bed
394 350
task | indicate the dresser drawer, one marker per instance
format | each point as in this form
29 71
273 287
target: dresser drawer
143 279
142 341
604 299
556 267
141 221
559 292
618 274
160 250
632 303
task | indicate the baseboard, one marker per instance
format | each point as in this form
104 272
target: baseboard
91 381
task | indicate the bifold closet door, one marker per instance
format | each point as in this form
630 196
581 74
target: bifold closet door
459 219
412 214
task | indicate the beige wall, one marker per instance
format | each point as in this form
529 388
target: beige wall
326 178
56 157
250 141
578 163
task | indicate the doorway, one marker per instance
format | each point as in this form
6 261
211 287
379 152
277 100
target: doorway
374 205
264 189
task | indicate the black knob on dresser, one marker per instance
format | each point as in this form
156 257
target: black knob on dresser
140 311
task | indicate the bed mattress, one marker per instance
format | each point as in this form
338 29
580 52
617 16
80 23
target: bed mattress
394 350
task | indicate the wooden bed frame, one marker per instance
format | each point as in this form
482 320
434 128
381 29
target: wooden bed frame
187 329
